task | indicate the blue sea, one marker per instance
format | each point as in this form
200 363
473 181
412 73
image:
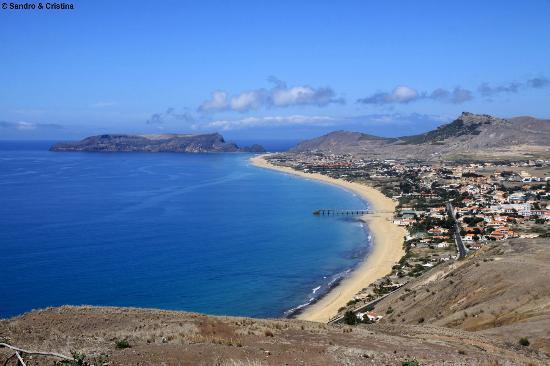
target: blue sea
207 233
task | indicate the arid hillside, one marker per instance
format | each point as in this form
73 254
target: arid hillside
157 337
469 136
502 291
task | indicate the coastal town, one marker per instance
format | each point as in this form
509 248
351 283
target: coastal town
449 209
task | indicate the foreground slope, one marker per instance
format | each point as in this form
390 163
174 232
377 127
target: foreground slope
502 291
469 136
213 142
174 338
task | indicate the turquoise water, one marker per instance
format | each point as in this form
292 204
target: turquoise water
199 232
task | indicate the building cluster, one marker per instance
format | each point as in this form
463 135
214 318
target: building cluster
482 202
492 201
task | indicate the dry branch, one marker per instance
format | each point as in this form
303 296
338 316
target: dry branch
17 349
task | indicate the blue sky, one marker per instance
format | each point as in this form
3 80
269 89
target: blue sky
278 69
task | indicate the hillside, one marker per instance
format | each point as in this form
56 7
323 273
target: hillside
502 291
155 143
160 337
341 140
469 136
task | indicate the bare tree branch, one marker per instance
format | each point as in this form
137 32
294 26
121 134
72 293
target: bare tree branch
53 354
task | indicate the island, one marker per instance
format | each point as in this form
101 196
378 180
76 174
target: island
177 143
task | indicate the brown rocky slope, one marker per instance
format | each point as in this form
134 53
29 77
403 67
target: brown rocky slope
502 291
160 337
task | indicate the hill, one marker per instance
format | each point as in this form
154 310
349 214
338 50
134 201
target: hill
342 140
158 337
155 143
501 291
470 136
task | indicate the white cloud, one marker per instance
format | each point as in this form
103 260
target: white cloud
488 90
404 94
400 94
279 96
28 126
248 100
218 102
456 96
248 122
300 95
25 126
170 115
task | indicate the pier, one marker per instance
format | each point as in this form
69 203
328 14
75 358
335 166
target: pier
334 212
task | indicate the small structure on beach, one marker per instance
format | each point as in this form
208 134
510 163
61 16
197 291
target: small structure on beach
332 212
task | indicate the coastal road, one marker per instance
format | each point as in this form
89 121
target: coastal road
460 247
339 318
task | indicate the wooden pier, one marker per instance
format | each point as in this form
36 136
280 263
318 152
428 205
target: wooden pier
334 212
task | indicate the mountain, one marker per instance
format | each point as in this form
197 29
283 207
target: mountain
469 136
155 143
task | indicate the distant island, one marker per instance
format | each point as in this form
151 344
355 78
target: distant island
178 143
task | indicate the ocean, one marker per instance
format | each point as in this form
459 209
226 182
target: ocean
207 233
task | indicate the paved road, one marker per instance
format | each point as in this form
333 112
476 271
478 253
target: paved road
337 319
461 248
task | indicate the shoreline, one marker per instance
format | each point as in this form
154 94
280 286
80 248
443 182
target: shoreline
387 244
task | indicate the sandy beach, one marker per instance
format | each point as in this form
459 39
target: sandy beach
387 244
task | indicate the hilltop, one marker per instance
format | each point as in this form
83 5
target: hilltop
471 136
155 143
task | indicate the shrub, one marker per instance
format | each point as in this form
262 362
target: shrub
62 363
410 363
122 343
79 358
421 320
524 341
352 302
350 318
